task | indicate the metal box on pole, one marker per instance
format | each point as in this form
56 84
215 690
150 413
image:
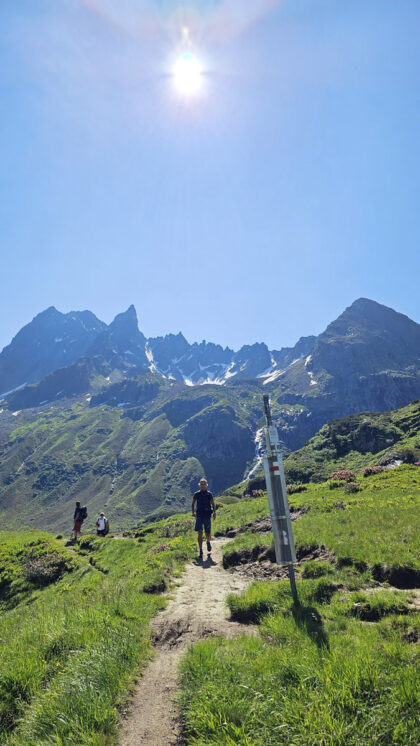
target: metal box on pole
284 544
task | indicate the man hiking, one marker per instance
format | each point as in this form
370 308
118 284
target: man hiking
79 516
202 507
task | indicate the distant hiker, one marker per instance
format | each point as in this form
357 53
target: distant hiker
202 508
79 516
102 525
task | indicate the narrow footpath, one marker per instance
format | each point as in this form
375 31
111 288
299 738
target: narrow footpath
197 611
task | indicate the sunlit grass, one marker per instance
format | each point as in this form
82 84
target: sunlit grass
70 652
341 667
323 673
379 525
316 675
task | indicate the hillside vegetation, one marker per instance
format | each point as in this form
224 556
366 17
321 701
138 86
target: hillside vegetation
353 442
365 439
74 629
128 462
342 666
339 668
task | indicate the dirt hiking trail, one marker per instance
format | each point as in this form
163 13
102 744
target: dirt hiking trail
196 611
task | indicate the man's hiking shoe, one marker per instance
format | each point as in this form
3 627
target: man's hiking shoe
208 546
200 556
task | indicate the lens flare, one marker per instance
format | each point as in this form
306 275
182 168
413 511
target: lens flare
188 75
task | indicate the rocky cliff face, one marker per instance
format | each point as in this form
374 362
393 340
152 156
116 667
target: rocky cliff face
366 339
121 345
366 360
63 383
175 358
289 355
221 442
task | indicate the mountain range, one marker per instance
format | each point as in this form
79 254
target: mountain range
130 423
54 340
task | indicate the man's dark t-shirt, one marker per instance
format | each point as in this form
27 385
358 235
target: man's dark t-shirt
203 502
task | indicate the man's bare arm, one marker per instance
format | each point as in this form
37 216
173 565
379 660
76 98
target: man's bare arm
193 505
213 506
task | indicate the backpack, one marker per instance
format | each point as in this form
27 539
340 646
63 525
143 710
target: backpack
83 513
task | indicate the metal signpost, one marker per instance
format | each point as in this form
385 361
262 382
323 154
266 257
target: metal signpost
284 544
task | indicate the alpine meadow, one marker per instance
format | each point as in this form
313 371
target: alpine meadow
339 666
209 373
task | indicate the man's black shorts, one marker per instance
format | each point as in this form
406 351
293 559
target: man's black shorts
203 519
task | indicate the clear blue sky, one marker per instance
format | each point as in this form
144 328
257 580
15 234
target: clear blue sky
255 212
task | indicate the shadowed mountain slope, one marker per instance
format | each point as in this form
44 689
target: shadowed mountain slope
365 439
51 340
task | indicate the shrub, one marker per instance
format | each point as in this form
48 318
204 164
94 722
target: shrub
226 500
88 543
45 569
179 528
369 470
346 476
351 487
334 483
294 488
408 455
157 549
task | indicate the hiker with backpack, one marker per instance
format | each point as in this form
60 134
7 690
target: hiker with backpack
202 508
80 514
102 525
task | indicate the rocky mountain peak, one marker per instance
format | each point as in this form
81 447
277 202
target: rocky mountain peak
366 315
367 339
368 336
125 325
251 361
122 345
48 313
50 341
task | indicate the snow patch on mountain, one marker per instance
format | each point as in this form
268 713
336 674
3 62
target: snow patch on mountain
312 381
12 391
277 373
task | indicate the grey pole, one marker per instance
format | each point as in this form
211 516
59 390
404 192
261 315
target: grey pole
284 544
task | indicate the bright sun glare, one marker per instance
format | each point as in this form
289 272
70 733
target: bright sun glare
188 75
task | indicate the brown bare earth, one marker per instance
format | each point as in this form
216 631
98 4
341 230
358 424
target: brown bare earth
197 611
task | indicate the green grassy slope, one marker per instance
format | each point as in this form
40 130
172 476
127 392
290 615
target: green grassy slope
378 524
129 461
138 447
74 629
359 440
341 667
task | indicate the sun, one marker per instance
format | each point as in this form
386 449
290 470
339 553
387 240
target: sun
188 75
